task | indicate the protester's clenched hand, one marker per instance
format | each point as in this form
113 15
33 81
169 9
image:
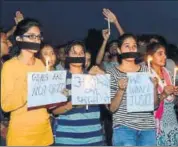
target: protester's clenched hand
122 83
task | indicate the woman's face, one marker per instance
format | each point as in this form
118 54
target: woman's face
47 53
129 45
159 57
76 51
32 35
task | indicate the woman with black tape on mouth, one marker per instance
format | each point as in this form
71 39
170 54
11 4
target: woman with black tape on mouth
129 129
85 128
26 128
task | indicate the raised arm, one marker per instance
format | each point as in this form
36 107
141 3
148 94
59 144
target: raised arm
11 31
113 19
102 49
18 17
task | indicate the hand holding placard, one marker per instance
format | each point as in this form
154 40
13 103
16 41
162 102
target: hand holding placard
65 92
122 83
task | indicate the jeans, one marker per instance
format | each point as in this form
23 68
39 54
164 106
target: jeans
125 136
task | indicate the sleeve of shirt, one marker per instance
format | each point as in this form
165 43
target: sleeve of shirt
113 84
11 90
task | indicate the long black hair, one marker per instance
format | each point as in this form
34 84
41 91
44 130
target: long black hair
122 38
153 47
22 27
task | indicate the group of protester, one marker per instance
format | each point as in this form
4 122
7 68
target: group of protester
67 124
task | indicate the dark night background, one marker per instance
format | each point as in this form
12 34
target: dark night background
67 20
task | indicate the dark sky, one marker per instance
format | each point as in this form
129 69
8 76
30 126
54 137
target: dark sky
67 20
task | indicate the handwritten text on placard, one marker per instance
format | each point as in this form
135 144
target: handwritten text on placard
140 92
45 88
89 89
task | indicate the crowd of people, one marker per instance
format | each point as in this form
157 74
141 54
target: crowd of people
100 125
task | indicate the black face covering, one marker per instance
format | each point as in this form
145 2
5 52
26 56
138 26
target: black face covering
74 60
135 55
28 45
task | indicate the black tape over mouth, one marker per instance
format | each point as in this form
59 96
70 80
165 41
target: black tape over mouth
28 45
134 55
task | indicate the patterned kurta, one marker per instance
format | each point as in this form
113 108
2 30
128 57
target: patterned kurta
169 126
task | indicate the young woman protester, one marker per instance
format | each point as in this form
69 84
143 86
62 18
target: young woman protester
48 55
76 125
26 128
166 122
129 129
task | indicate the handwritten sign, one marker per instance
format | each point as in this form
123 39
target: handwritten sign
44 88
140 93
89 89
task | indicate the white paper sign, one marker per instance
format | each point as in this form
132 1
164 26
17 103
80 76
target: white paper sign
140 93
45 88
89 89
